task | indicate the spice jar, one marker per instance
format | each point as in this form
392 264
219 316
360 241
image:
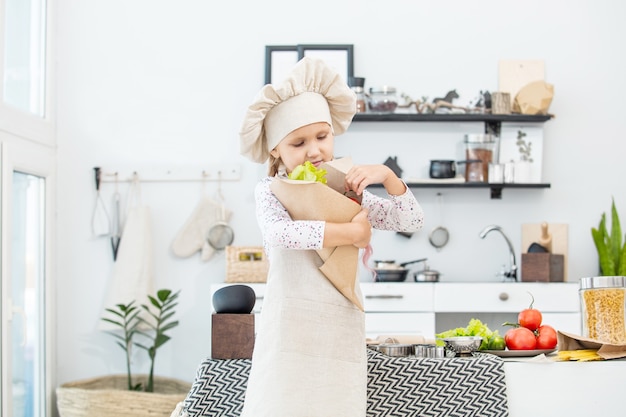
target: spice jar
357 85
603 307
383 99
483 148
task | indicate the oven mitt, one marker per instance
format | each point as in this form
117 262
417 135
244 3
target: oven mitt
192 237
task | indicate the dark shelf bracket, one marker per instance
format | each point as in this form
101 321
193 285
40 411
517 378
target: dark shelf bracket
496 193
493 127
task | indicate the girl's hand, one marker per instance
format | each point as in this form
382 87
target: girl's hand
364 229
357 232
360 176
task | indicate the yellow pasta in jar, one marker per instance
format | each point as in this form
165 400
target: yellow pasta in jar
603 314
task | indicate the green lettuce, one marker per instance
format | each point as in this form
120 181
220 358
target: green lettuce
308 172
475 327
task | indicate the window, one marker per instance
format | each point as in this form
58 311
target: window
26 202
24 55
25 51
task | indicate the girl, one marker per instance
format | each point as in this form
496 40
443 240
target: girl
309 356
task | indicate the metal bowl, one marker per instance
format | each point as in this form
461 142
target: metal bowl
396 349
463 344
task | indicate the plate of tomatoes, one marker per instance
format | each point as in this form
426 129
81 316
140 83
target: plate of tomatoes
519 353
529 336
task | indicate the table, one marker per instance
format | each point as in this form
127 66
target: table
399 387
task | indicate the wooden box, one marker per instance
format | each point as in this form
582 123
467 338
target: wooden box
542 267
232 336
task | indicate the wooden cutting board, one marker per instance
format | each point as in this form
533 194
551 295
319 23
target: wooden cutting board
531 232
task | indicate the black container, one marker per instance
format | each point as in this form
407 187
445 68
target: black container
234 299
442 168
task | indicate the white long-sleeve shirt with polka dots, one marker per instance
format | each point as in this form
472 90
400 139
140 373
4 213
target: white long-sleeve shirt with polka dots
401 213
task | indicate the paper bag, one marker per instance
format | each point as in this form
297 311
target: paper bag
335 176
534 98
568 341
307 200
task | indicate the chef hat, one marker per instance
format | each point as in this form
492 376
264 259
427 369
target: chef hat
312 93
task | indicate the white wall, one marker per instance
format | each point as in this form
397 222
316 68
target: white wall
153 84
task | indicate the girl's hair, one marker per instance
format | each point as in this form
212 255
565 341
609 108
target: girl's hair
272 167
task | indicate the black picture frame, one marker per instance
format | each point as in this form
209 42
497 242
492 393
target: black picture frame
339 57
279 59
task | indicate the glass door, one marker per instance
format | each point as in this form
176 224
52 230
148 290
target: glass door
25 306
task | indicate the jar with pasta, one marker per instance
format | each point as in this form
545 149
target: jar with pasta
603 307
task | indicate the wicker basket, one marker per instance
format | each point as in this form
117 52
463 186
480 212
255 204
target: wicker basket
107 396
246 264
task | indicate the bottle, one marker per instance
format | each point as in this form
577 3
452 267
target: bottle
357 84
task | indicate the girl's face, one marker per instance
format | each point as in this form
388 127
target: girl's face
313 143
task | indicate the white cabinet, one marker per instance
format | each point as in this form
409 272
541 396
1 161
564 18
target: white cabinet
409 308
398 308
506 297
496 303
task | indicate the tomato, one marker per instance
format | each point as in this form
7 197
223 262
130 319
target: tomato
546 337
530 317
520 338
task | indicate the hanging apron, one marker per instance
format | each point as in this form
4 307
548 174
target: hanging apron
309 356
132 277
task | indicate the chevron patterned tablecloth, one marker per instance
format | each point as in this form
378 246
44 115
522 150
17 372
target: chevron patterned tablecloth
396 387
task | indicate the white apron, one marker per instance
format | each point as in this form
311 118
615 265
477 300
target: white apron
309 355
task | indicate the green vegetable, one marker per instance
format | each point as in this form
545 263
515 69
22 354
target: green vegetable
475 327
497 343
611 253
308 172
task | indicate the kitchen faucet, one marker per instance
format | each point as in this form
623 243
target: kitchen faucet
512 272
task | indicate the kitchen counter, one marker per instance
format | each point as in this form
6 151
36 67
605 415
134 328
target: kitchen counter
573 389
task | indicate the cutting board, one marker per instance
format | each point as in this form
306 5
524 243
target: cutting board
531 232
515 74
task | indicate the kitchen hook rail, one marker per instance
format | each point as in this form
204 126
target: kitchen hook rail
225 172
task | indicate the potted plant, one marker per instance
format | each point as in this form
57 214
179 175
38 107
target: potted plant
523 166
128 395
611 251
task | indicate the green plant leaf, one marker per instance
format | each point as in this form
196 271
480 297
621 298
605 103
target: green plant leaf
607 266
128 324
621 269
169 326
616 233
163 294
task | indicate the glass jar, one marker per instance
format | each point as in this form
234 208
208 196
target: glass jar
357 85
474 171
383 99
603 307
483 148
